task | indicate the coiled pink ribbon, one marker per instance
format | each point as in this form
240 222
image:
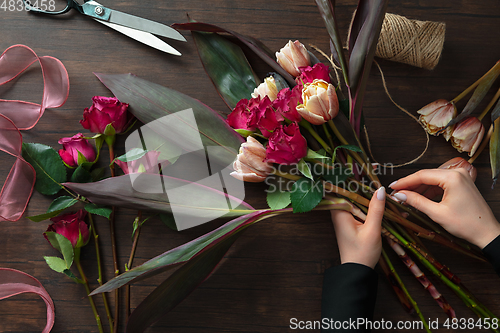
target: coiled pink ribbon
18 115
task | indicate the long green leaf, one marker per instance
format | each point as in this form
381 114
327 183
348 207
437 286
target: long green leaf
185 252
118 191
149 101
495 151
227 67
177 287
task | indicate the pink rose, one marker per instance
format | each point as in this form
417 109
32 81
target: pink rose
286 103
105 111
293 56
318 72
146 164
72 146
286 145
71 226
320 102
250 165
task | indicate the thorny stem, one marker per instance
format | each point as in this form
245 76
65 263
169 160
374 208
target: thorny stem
474 85
99 269
87 289
400 282
483 145
131 260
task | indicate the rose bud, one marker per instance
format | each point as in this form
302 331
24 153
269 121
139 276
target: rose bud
241 116
71 226
467 135
74 145
292 56
460 163
308 74
320 102
249 165
286 145
436 115
146 164
267 88
105 111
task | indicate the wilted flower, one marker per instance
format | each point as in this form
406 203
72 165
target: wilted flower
460 163
467 135
146 164
286 145
286 103
250 165
105 111
320 102
436 115
267 88
74 145
318 72
71 226
293 56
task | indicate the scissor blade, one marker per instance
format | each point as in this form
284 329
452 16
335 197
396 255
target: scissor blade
143 37
145 25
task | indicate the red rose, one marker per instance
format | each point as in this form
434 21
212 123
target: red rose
71 226
264 118
74 145
286 103
105 111
318 72
240 117
286 145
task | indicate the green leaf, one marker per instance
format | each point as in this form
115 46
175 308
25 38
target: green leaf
227 67
132 155
149 101
63 245
311 154
244 133
169 220
97 174
81 175
98 210
183 253
278 199
348 147
81 159
177 287
49 167
56 207
495 151
306 194
304 169
70 274
55 263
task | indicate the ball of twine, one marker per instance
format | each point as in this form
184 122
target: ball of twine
416 43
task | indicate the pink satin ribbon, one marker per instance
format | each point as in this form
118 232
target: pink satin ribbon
18 115
14 282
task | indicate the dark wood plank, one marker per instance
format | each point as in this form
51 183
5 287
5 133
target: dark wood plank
274 271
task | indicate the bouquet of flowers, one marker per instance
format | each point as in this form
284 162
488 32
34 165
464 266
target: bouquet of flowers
298 131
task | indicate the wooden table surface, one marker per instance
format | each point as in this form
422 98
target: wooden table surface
274 271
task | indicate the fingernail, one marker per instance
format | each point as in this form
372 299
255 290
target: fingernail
381 193
393 183
400 196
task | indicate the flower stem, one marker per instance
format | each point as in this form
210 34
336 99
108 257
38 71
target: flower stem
99 269
87 289
405 291
475 84
328 136
131 260
311 130
488 107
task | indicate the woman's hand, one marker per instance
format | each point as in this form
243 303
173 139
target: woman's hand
361 243
462 211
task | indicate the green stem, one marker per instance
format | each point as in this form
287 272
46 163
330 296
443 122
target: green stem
130 262
474 85
311 130
328 136
99 269
87 289
405 291
488 107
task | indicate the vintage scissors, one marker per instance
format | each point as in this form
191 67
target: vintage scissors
135 27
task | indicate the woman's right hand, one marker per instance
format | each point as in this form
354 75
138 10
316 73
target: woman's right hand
462 211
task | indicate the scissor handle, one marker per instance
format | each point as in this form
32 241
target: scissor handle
71 4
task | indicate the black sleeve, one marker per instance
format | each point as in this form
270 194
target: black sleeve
492 253
349 293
